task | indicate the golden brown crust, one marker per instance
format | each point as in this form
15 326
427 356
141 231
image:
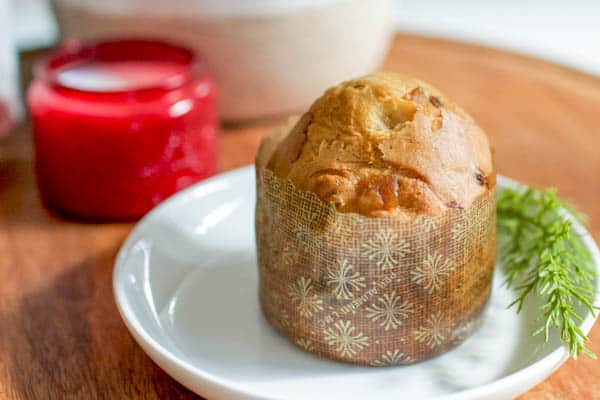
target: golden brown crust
385 145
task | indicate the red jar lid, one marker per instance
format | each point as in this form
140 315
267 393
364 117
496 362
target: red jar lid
75 54
120 125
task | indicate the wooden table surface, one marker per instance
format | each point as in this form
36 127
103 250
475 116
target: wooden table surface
61 336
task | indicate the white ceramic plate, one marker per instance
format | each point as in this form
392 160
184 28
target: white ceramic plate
185 283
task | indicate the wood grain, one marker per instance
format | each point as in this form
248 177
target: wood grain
60 334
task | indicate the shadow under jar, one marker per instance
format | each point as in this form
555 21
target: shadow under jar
121 125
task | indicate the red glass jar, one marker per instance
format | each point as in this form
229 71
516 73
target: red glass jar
121 125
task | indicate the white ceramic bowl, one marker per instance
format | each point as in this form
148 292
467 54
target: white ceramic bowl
268 56
186 285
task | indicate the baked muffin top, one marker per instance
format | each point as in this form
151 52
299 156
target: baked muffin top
385 145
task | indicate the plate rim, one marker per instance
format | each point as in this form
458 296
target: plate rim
156 350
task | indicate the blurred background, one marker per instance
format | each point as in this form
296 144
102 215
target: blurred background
255 47
565 32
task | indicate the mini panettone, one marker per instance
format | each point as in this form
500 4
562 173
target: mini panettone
375 223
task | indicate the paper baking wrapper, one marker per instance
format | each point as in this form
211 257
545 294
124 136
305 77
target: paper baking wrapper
374 291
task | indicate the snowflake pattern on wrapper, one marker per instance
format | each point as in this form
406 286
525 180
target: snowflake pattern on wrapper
301 294
389 311
345 339
386 249
393 357
432 332
344 280
432 272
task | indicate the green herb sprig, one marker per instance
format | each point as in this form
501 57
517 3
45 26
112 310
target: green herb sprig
543 255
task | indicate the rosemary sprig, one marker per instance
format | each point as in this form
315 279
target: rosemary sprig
543 255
